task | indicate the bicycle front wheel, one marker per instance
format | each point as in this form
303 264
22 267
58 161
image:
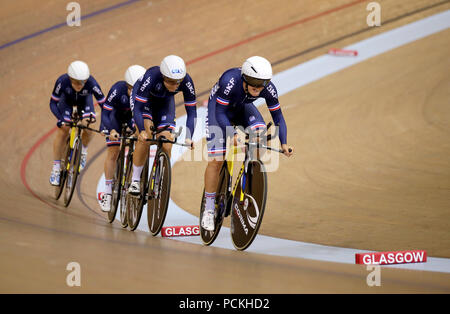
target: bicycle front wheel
117 185
63 174
159 193
135 204
128 172
221 203
249 203
72 172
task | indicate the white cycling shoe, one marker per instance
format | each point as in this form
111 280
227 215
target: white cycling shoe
83 161
105 203
208 220
55 178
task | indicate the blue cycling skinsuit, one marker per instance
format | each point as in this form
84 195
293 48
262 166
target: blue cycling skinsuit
229 104
150 99
116 111
64 98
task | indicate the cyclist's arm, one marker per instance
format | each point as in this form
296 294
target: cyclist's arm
54 99
140 101
278 119
191 111
221 112
89 110
190 103
271 96
97 92
109 108
107 112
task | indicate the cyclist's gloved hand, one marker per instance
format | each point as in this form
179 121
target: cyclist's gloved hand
236 139
104 132
88 120
129 131
287 150
61 123
190 143
114 135
143 136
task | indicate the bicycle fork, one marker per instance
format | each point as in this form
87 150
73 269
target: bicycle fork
72 143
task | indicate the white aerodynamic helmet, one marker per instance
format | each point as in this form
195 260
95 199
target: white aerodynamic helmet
133 73
78 70
256 71
173 67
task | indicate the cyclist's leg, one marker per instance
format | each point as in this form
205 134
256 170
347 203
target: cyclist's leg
216 144
251 119
140 155
141 151
253 122
112 152
59 141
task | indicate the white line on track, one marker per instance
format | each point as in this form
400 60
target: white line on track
286 82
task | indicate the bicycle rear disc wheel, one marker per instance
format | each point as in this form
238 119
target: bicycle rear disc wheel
63 173
72 173
222 193
159 193
117 186
135 204
247 215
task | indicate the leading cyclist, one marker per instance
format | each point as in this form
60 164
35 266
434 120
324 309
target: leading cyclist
75 88
231 102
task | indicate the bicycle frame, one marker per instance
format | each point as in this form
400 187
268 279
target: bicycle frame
239 200
151 185
243 169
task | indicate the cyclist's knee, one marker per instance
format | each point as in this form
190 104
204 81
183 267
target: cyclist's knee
215 164
113 152
87 133
63 130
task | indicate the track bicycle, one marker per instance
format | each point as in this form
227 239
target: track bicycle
122 164
70 163
246 201
155 189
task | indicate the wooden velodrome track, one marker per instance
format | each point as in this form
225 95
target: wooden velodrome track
371 168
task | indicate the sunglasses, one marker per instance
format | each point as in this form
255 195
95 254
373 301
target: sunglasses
171 81
78 82
254 82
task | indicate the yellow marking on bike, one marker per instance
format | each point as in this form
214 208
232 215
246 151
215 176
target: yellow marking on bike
153 178
72 136
236 185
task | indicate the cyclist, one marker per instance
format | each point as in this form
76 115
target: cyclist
75 88
116 111
153 104
231 102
